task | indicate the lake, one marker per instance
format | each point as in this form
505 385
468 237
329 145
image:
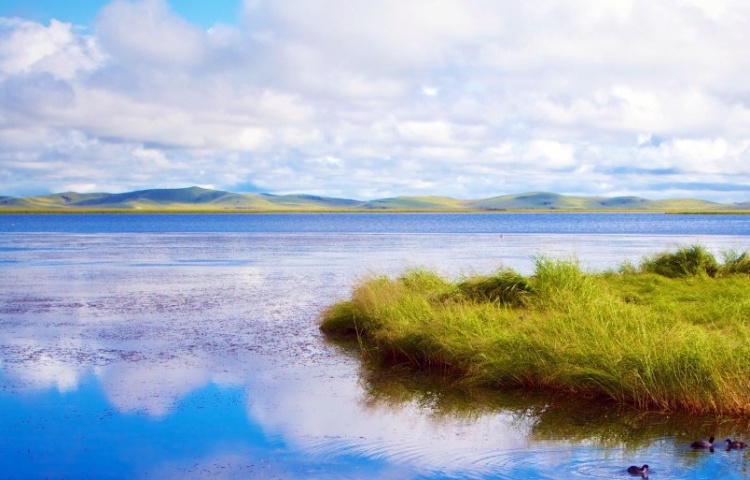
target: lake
186 346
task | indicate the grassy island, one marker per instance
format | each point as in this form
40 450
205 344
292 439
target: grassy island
669 334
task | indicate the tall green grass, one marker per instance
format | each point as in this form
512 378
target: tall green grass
686 261
643 336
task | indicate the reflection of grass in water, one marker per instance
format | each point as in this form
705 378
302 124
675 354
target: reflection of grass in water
635 337
547 417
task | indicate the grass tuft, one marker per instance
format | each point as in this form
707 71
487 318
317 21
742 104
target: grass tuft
506 287
735 262
685 262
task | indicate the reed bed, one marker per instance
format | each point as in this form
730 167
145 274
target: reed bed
645 335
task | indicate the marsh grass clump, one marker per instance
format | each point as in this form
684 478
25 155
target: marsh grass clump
685 262
506 287
735 262
638 338
340 319
562 282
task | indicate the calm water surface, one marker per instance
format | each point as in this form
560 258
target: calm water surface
186 346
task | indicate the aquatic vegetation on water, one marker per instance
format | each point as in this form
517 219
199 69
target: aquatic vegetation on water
643 336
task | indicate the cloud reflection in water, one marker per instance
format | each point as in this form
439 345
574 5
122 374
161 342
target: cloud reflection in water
198 355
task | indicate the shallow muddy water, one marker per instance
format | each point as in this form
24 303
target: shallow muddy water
174 347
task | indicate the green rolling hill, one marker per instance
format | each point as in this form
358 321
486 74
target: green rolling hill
414 203
202 199
309 202
553 201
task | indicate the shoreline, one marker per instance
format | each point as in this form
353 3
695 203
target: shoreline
155 211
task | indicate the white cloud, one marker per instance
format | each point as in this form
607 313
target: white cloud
408 95
148 32
551 154
28 47
429 133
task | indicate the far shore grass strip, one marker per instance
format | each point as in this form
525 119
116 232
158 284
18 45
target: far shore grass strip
669 334
313 210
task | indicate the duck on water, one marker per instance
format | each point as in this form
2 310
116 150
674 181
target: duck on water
698 445
703 445
734 444
642 471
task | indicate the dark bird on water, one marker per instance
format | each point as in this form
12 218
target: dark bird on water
736 444
702 444
642 471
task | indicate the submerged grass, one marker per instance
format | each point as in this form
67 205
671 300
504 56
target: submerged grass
643 336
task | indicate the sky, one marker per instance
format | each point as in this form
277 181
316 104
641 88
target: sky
368 99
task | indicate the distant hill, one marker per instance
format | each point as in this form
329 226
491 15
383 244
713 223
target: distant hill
553 201
310 201
202 199
414 203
